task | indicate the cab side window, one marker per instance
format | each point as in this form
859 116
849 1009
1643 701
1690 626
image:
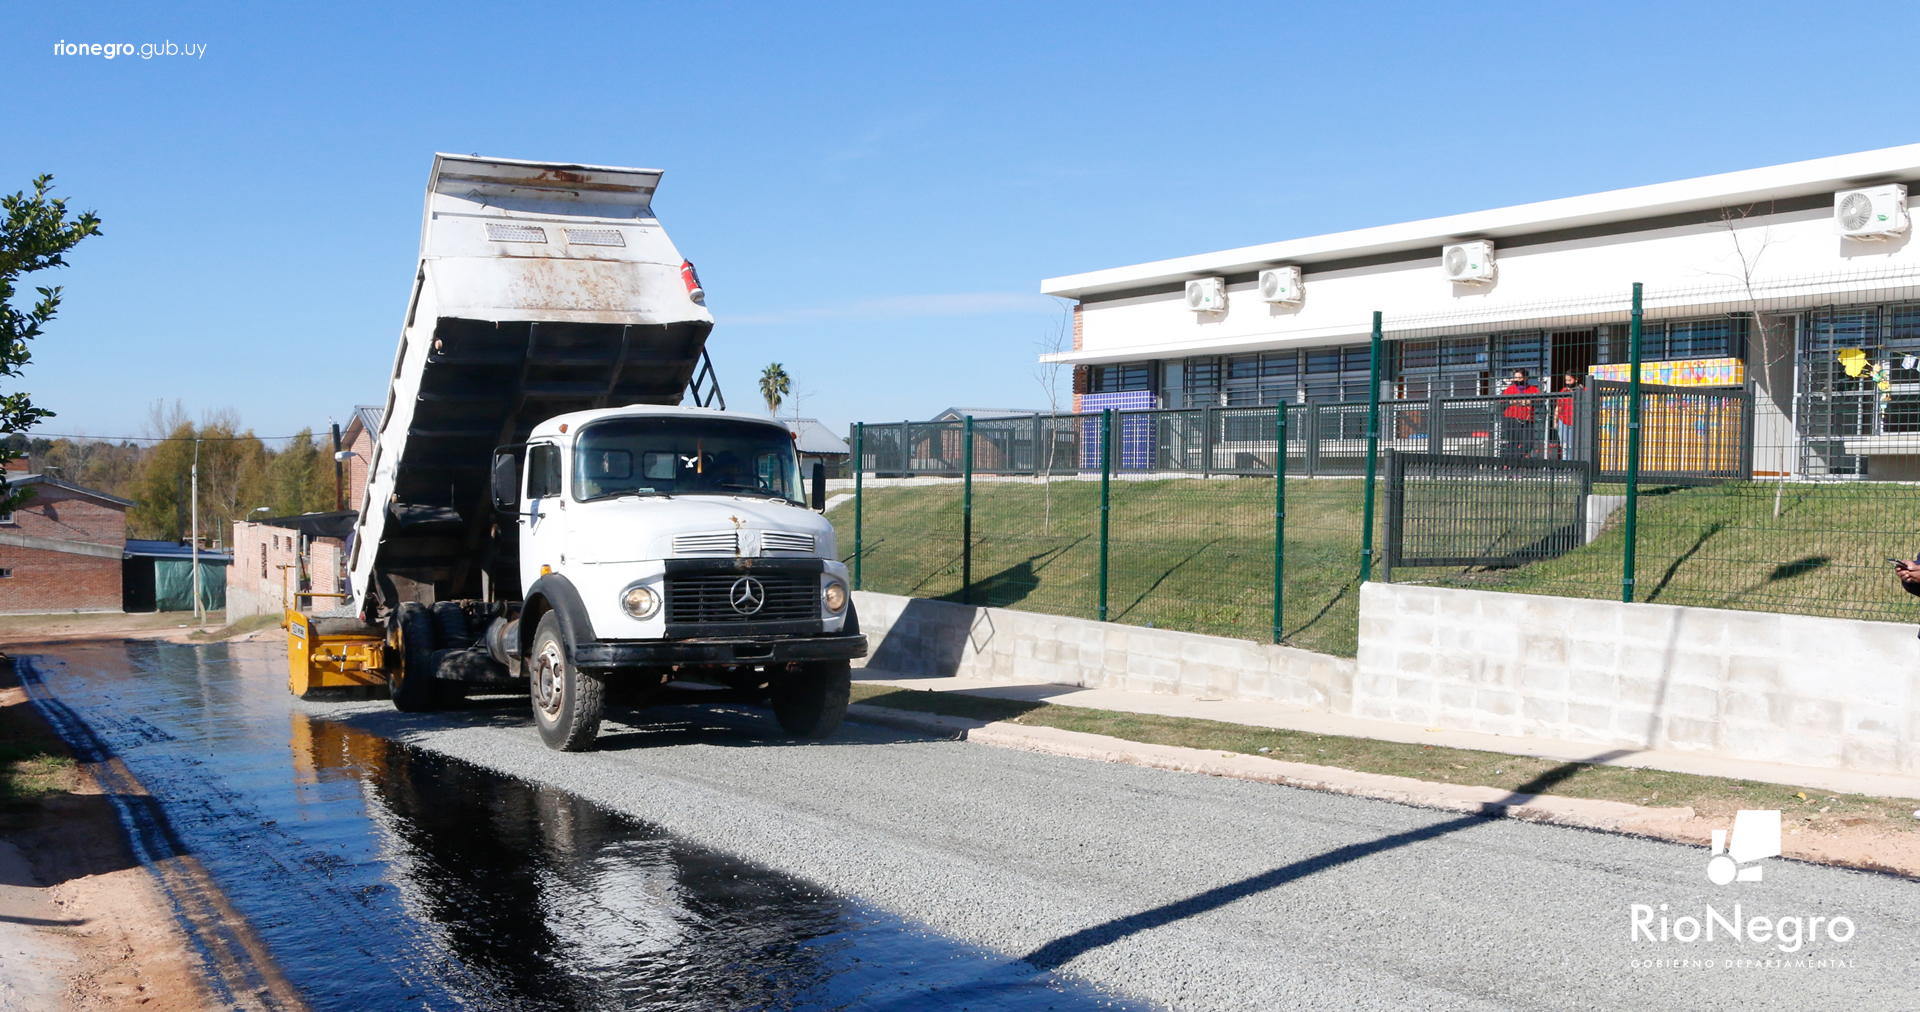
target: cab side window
543 471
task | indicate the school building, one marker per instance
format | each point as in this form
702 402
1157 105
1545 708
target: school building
1792 290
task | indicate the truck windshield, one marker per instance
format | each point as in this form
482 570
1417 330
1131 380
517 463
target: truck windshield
684 456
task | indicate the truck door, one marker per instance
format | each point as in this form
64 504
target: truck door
542 528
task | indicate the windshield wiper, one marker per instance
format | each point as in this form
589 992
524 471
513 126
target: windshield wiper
627 492
757 490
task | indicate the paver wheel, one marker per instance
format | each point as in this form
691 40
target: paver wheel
410 676
567 702
812 700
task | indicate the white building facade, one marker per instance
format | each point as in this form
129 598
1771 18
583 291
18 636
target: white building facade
1798 284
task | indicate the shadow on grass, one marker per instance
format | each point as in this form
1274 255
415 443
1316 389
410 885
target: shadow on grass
1684 557
1322 613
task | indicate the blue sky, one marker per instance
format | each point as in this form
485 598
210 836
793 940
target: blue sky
872 193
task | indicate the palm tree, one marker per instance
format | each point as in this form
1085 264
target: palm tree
774 384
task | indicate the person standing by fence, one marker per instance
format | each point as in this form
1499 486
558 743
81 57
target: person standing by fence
1518 435
1563 414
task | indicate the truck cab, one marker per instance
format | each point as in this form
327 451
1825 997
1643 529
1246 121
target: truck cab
666 544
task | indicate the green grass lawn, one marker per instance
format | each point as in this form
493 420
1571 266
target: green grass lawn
1197 555
1714 797
1187 554
1722 547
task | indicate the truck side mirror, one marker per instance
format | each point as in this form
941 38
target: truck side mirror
819 492
506 479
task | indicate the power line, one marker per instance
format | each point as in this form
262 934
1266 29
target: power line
155 439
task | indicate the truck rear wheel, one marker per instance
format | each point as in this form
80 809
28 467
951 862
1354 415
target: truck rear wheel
410 680
567 702
812 700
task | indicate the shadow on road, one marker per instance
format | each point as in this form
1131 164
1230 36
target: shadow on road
1062 950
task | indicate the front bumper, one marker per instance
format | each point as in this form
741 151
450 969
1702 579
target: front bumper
640 653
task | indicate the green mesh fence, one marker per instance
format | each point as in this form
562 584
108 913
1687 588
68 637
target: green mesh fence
1779 470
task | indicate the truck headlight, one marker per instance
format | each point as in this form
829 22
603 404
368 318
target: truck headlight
640 602
834 597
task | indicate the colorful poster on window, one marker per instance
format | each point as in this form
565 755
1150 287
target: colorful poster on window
1684 372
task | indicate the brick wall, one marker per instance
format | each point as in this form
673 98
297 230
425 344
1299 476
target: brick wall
37 580
54 512
356 476
261 549
43 581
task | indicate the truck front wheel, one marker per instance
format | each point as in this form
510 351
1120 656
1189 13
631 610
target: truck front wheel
567 702
811 701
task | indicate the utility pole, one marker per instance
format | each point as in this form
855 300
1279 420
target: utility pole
339 492
198 615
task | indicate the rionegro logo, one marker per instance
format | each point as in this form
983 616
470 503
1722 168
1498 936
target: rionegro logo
1756 836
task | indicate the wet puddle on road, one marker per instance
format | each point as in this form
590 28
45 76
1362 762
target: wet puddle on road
379 876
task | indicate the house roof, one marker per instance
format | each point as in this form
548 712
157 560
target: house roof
139 549
366 417
815 438
956 414
15 479
1802 181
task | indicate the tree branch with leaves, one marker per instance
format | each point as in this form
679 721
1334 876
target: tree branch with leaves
35 235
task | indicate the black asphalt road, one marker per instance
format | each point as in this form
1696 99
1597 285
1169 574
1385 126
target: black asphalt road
1199 893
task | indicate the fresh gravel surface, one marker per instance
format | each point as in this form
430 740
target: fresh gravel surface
1202 893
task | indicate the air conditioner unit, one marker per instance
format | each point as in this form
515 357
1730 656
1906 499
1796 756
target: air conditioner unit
1469 263
1207 295
1874 213
1282 284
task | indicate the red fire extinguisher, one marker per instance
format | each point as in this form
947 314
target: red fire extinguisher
692 278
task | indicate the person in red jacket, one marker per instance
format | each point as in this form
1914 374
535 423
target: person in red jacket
1519 426
1563 414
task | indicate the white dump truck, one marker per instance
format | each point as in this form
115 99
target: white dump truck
544 510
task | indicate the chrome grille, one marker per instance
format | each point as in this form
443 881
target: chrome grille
721 543
709 597
782 541
515 233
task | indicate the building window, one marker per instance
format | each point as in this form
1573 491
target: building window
1109 379
7 517
5 573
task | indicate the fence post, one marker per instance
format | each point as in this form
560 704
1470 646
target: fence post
1206 441
1106 472
1633 450
1373 451
859 469
1279 513
966 515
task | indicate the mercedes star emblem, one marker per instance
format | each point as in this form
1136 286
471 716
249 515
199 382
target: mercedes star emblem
747 595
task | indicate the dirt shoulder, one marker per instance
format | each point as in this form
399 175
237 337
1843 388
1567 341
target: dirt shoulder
171 626
96 930
1855 831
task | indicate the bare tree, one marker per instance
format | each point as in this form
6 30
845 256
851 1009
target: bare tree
1047 374
1775 344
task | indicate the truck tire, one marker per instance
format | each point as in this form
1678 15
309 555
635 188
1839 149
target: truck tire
811 701
410 676
452 623
567 702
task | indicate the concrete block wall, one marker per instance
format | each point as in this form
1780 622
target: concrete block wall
1821 692
916 637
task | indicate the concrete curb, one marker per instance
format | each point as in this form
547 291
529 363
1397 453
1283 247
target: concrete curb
1608 816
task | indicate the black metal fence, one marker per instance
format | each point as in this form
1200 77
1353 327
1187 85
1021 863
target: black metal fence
1454 510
